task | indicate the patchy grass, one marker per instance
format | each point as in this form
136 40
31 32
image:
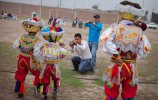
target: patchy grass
8 63
8 56
148 69
8 59
99 82
69 77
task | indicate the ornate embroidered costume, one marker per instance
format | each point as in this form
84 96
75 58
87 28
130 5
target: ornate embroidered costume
26 61
48 56
126 43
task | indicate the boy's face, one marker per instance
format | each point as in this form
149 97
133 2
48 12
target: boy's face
77 40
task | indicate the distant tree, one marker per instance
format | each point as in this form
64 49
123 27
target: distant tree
95 7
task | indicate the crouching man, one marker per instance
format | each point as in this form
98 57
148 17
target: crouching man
81 62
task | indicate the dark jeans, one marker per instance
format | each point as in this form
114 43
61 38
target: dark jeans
81 65
93 46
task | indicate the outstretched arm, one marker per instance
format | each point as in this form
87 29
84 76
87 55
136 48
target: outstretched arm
107 37
16 43
87 24
37 53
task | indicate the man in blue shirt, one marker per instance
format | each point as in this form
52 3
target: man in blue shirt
95 28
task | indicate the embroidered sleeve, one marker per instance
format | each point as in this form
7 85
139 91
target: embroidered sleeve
144 47
37 53
107 38
16 43
106 34
147 45
63 52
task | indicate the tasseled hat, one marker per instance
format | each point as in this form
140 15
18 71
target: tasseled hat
130 10
32 24
52 34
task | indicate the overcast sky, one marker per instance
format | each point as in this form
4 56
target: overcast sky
87 4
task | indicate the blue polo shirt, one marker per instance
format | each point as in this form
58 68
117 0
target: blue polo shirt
94 31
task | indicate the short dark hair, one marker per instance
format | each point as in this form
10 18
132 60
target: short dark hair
78 35
96 16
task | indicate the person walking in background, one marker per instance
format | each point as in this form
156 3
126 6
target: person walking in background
50 20
75 21
82 62
63 21
95 28
59 21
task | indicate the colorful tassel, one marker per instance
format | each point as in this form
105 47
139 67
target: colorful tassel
47 89
132 84
22 88
133 76
105 97
132 98
17 86
41 89
58 83
108 98
109 84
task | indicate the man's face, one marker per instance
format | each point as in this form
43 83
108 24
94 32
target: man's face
77 40
96 20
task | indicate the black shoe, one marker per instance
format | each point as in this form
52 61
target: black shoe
92 70
44 98
20 96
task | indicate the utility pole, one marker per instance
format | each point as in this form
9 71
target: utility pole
41 9
19 12
75 15
60 3
143 3
49 12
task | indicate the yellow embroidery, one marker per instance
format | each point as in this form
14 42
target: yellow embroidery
127 34
27 41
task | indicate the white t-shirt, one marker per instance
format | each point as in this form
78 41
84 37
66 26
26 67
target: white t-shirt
82 50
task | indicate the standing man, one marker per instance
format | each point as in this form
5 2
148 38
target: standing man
82 62
95 28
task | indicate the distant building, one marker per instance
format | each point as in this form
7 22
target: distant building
154 16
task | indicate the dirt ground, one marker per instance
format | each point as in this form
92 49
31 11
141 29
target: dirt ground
10 30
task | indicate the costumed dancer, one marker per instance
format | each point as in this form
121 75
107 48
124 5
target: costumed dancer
25 44
48 55
126 43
